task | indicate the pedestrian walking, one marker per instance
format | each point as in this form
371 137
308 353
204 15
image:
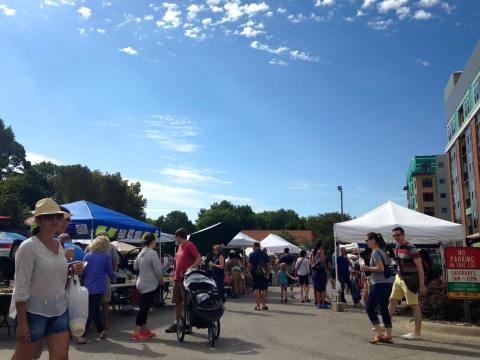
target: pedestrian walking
187 258
235 267
344 265
98 267
319 275
259 268
409 281
382 279
283 280
289 261
302 269
39 301
150 277
217 264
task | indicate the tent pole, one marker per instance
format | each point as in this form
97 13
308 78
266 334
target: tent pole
336 269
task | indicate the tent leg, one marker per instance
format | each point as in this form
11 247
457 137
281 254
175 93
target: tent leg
336 307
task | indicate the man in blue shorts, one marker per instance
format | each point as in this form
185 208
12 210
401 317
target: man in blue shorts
259 268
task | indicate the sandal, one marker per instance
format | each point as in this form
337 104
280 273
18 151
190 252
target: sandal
386 340
257 308
376 340
83 340
265 307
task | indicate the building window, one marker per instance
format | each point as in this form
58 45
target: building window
429 211
443 195
466 105
444 210
476 91
427 182
440 164
428 197
426 166
441 181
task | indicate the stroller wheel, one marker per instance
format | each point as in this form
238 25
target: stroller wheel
211 334
181 328
217 329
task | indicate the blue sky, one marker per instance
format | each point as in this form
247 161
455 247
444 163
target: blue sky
270 103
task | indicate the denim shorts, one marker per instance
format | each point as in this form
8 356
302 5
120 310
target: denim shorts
42 326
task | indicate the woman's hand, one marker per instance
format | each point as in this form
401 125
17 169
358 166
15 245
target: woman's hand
23 333
363 268
77 268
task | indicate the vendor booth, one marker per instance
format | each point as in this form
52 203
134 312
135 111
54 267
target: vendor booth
89 219
276 244
241 241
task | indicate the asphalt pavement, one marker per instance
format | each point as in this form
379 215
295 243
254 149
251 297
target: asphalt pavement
286 331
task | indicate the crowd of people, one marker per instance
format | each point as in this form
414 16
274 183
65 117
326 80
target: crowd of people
45 262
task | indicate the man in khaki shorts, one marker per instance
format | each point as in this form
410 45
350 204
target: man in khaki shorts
409 264
188 257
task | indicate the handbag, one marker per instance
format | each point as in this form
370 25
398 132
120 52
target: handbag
412 280
387 272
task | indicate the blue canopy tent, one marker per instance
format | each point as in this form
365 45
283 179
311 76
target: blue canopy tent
89 219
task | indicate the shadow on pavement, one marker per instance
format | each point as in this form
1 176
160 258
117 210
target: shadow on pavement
111 347
427 348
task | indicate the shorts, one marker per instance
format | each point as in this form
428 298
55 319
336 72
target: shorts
290 281
284 285
178 292
303 280
42 326
260 283
400 291
319 281
107 297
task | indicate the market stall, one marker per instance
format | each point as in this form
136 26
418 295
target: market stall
276 245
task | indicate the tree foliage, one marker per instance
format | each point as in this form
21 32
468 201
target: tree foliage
322 227
12 154
173 221
239 216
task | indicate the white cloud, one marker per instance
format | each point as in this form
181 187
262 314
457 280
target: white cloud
85 12
234 11
380 25
263 47
403 12
278 62
171 18
7 11
388 5
207 21
349 19
448 8
129 50
302 55
57 2
234 199
82 31
423 62
306 186
148 17
281 10
428 3
174 133
193 32
250 32
297 18
36 158
101 31
367 3
185 175
254 8
193 10
106 3
319 3
422 15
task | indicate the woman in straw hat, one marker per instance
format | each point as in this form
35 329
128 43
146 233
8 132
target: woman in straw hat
39 302
98 267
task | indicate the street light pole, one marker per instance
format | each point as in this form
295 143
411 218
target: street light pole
337 307
340 188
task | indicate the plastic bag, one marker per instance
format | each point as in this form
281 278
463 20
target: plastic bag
77 307
329 292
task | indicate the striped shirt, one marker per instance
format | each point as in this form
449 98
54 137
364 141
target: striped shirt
406 254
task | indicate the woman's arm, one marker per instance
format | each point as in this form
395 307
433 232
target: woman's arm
109 267
156 265
378 268
221 260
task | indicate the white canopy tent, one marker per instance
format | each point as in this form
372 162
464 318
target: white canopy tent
241 240
419 228
276 244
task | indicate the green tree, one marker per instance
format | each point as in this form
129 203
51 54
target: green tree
173 221
322 227
242 217
12 154
280 220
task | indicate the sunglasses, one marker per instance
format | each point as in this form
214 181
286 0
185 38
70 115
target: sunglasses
52 217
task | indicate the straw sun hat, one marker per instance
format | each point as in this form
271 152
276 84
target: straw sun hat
45 206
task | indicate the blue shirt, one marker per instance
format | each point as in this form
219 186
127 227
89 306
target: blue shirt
99 266
343 267
257 256
78 253
282 277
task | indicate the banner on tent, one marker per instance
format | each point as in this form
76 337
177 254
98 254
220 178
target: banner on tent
463 272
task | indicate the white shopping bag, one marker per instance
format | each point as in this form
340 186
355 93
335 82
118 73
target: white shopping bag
330 292
77 307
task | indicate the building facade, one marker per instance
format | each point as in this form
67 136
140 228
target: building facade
427 187
462 116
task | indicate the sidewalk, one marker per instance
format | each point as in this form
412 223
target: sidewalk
430 329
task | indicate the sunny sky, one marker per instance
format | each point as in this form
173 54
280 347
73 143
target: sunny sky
267 103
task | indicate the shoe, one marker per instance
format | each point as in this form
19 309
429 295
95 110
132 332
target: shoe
149 334
140 337
171 329
102 335
292 296
411 336
307 300
303 301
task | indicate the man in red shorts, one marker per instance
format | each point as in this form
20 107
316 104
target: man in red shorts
188 257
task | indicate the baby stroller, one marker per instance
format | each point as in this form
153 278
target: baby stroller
203 307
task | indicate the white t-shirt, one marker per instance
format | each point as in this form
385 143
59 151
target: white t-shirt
303 266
